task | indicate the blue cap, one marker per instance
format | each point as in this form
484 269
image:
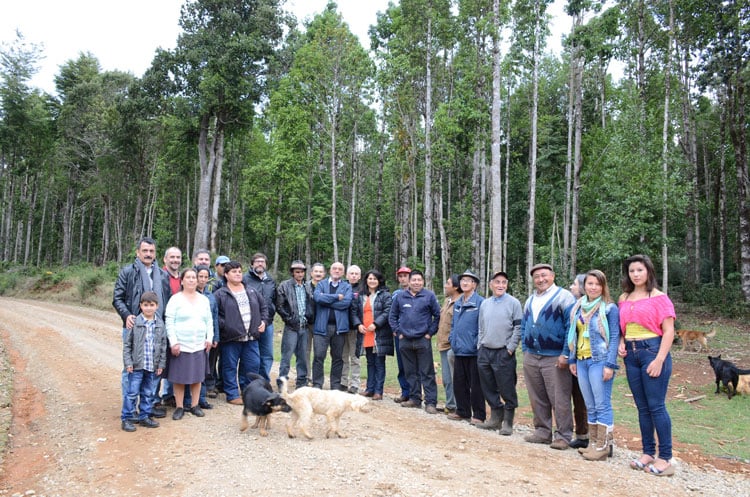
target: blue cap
222 259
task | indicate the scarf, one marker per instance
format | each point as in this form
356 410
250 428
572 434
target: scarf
584 310
152 283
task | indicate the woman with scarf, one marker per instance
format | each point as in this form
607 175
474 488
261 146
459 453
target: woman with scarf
591 346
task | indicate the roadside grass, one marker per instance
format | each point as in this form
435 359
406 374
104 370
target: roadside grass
711 423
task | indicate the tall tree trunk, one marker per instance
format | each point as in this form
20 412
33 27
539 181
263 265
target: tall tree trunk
30 220
353 201
40 245
496 184
429 272
67 225
577 158
216 196
209 131
533 145
507 176
665 153
334 187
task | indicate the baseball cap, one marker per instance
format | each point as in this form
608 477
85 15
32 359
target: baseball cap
403 269
222 259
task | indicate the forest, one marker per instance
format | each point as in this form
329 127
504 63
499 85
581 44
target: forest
455 140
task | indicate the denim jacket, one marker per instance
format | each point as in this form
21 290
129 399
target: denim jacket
602 349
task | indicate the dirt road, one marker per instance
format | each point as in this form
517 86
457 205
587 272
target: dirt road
66 440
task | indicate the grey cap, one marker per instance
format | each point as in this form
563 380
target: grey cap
222 259
500 273
540 266
470 275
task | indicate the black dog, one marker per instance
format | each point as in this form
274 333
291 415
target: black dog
726 372
259 398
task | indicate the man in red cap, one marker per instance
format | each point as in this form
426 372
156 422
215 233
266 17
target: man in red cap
402 274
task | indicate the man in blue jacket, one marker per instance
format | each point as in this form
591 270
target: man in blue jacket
332 296
414 319
464 336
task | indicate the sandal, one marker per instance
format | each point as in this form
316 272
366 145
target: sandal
653 470
638 464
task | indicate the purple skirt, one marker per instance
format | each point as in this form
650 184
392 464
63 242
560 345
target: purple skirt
188 368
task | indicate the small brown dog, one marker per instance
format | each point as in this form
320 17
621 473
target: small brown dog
691 337
306 401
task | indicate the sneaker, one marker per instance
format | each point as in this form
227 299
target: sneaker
536 439
149 423
411 403
178 414
430 409
128 426
559 444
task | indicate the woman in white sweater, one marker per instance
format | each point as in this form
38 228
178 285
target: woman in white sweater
190 330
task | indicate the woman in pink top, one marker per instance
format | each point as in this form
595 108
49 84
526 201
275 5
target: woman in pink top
647 326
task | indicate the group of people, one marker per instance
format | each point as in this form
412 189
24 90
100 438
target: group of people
190 334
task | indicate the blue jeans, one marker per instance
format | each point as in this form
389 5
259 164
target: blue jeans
139 383
419 369
294 342
375 371
320 347
401 377
446 367
650 395
265 345
596 392
238 359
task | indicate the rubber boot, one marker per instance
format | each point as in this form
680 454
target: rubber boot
603 445
494 422
507 427
592 439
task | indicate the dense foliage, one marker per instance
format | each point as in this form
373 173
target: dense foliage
256 134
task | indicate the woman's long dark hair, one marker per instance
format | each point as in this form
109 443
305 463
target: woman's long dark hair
364 289
627 285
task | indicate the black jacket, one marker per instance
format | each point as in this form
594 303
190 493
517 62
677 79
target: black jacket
286 304
381 308
231 327
266 288
129 288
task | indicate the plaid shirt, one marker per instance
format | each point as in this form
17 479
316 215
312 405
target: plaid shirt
299 290
148 348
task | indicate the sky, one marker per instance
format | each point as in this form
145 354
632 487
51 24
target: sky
125 35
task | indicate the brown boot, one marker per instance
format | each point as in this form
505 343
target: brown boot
592 439
603 446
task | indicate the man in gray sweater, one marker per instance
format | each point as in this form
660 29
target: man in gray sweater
499 334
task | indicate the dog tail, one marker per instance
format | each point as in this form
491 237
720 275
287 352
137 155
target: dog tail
743 371
712 333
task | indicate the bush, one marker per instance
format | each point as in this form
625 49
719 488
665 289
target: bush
88 280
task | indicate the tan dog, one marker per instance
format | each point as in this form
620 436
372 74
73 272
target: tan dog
306 401
691 337
743 386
